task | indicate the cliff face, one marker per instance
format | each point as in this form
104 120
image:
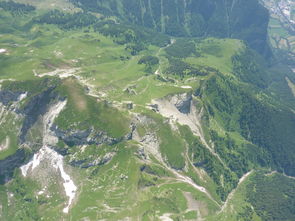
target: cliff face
246 20
35 109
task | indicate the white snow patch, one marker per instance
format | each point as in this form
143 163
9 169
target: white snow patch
69 185
33 163
186 87
287 12
16 104
22 96
6 144
2 50
55 159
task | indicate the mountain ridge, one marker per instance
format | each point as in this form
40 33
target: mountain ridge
144 126
246 20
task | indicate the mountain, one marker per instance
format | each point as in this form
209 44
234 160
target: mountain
105 116
246 20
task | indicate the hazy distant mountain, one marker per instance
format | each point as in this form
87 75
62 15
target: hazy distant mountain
240 19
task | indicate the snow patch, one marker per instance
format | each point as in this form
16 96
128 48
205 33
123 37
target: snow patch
33 163
49 155
22 96
186 87
5 145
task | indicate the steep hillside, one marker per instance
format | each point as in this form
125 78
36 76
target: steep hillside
246 20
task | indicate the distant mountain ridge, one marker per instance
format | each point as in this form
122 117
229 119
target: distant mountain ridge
246 20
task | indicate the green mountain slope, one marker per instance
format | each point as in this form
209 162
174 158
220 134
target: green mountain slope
102 120
245 20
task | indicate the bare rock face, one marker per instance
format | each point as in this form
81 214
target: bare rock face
7 96
182 102
36 107
30 113
88 137
83 137
8 165
88 161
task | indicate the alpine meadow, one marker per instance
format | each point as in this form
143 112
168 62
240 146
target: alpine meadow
168 110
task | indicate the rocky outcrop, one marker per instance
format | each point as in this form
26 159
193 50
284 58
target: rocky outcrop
8 165
182 102
89 162
41 109
36 107
84 138
87 137
7 96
